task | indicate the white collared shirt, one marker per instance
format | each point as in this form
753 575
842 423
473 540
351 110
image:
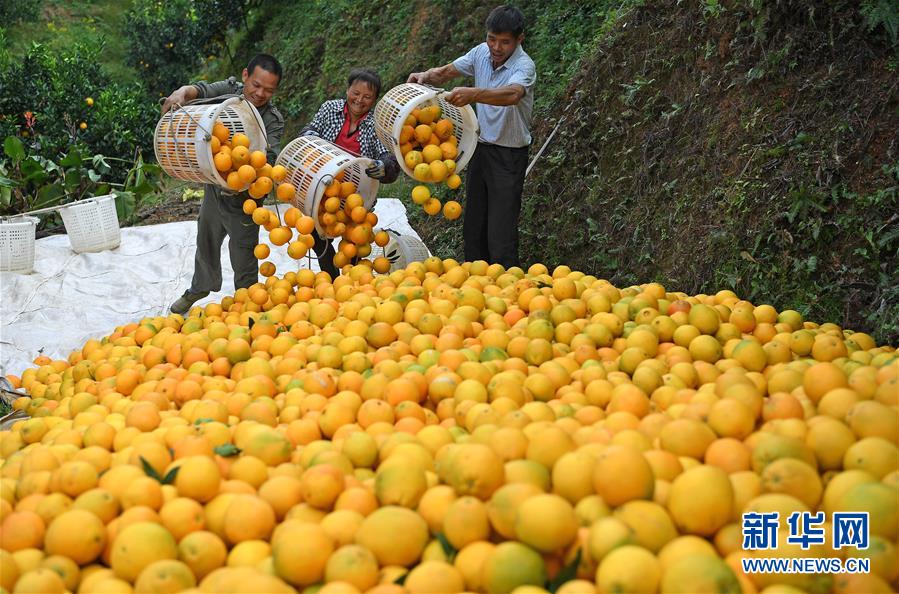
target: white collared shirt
502 125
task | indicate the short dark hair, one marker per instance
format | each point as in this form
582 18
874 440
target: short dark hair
505 19
366 75
267 63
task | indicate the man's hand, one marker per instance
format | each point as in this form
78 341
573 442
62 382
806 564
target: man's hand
376 170
418 77
181 96
462 96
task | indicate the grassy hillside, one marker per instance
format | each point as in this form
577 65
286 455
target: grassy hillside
319 42
60 23
705 145
752 149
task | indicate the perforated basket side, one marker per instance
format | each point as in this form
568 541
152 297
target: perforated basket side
17 244
92 224
312 163
182 137
399 102
392 110
465 129
412 249
176 151
401 250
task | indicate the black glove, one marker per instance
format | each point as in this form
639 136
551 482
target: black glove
376 170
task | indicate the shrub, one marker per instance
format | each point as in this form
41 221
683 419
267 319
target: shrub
167 41
45 102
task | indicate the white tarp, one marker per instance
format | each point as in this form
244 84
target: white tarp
70 298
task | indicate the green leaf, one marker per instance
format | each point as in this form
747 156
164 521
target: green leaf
448 549
402 579
5 182
32 172
72 179
14 149
73 159
99 162
568 573
169 478
48 195
124 205
202 420
226 450
149 470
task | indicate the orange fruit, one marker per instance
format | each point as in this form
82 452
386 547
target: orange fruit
513 565
139 545
432 206
240 140
202 552
300 552
377 528
622 474
285 192
222 162
700 500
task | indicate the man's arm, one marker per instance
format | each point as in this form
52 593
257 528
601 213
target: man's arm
182 96
507 95
200 90
435 76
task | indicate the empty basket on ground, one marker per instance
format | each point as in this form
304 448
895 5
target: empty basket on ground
183 135
401 250
17 244
313 163
398 103
92 224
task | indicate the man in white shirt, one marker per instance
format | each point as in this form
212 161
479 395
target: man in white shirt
504 77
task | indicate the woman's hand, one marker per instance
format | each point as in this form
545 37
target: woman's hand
376 170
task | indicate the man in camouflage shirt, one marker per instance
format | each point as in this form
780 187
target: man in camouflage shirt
222 212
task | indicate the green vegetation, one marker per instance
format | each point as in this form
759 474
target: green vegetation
70 132
60 24
168 41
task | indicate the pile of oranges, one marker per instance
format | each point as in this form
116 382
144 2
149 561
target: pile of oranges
244 169
449 427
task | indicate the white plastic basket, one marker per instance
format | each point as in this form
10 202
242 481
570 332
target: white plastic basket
17 244
92 224
401 250
312 164
182 137
398 103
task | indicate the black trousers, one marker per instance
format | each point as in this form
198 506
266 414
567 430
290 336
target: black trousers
493 186
324 251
